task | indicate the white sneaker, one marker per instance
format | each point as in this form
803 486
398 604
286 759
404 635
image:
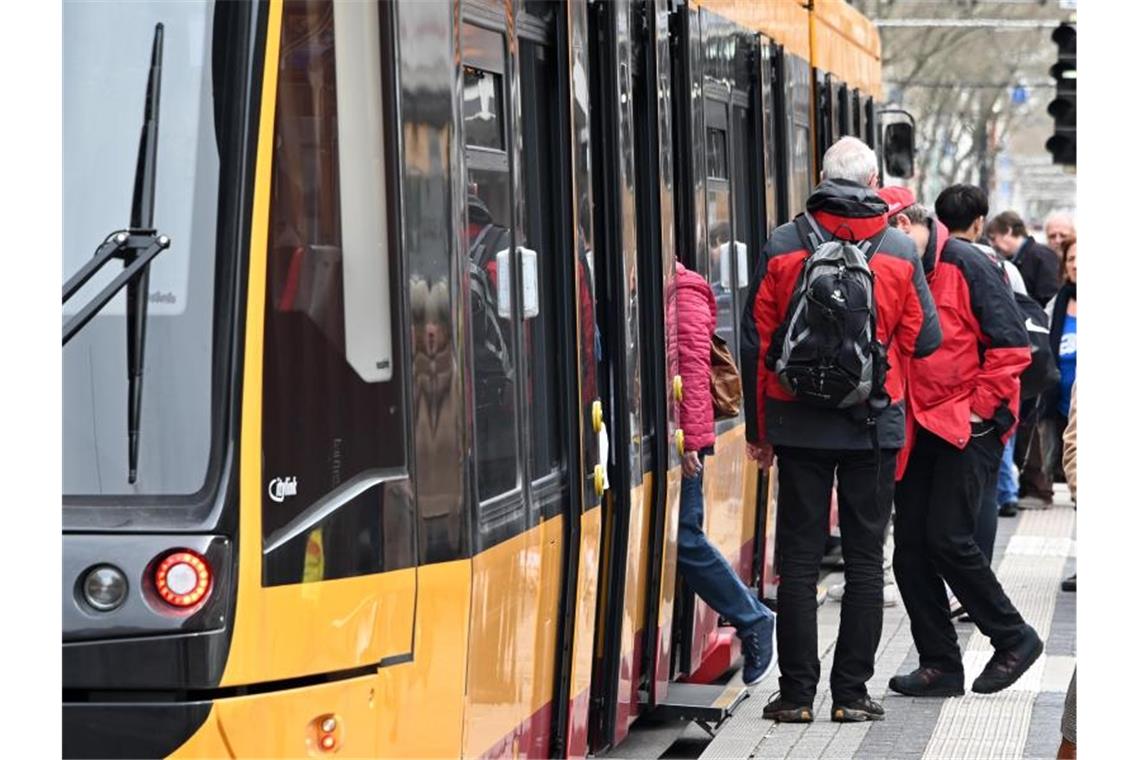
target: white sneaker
956 607
890 594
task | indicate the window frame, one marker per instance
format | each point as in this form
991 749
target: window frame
386 477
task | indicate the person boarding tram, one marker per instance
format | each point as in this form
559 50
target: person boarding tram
703 567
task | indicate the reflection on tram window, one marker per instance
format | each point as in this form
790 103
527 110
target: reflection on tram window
717 156
482 108
496 437
328 429
489 199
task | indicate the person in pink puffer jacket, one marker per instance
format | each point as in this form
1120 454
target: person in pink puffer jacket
705 569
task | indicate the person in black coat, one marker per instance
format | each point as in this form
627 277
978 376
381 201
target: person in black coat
1037 263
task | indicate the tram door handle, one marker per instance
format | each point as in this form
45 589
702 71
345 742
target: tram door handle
601 471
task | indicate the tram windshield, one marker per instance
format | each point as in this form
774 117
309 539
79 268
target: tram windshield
106 60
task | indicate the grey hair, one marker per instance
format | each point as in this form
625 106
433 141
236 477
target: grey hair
916 213
1061 216
850 159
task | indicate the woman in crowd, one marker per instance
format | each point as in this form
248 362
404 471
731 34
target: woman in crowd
1062 312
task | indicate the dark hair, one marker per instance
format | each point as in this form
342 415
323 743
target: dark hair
1007 221
1066 246
959 205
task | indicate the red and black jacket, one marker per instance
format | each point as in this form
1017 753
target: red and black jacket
984 346
905 317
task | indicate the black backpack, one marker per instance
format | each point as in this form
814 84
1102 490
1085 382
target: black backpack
826 351
1042 374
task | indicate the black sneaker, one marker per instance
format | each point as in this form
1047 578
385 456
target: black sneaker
1069 584
929 682
860 710
1008 665
1009 509
784 711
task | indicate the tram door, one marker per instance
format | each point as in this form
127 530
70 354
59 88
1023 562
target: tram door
519 270
632 185
725 221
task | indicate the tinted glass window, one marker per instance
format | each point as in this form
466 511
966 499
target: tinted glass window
103 100
482 108
495 366
540 317
335 493
717 153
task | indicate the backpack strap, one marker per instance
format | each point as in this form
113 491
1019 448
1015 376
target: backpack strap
810 234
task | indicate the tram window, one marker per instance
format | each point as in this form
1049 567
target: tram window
844 107
768 96
717 154
488 232
102 102
745 202
797 99
825 125
482 108
334 434
539 233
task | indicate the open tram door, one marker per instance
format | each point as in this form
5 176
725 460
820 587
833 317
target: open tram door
726 156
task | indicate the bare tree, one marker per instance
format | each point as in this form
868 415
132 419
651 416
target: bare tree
958 83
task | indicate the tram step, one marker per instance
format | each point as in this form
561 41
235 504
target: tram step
708 705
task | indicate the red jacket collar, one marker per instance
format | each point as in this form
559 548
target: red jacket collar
851 228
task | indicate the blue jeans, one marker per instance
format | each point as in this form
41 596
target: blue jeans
1007 481
705 569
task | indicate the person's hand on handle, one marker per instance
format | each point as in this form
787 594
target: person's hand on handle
691 464
760 453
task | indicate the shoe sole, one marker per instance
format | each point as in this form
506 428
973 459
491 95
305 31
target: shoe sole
803 715
1032 658
771 664
941 692
847 715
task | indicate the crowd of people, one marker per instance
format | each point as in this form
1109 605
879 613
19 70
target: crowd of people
906 357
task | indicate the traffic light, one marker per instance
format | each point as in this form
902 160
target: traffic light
1063 108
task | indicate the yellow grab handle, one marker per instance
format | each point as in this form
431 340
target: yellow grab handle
596 410
599 479
681 443
677 388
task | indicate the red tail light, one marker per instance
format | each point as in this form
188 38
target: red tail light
183 578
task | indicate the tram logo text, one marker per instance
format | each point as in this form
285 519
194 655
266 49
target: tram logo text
280 488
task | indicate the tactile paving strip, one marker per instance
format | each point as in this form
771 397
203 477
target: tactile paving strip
996 725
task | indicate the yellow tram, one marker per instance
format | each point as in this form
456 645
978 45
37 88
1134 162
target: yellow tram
395 472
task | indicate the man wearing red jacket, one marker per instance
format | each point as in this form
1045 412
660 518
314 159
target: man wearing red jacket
961 405
814 445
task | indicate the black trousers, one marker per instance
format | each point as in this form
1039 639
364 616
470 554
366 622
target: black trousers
866 486
936 507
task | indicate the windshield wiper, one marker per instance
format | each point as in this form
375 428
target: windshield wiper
136 247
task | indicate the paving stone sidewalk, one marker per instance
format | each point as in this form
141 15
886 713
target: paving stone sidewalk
1034 552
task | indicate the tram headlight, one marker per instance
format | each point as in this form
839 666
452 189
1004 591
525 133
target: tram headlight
104 587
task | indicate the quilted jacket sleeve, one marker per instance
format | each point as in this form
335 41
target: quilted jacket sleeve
696 320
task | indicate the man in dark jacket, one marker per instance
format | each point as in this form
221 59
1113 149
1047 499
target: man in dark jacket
814 444
961 404
1037 263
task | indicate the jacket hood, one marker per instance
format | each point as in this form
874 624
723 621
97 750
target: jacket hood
847 209
688 279
939 234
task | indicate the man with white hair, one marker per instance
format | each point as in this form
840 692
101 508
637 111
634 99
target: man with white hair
1059 227
815 441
